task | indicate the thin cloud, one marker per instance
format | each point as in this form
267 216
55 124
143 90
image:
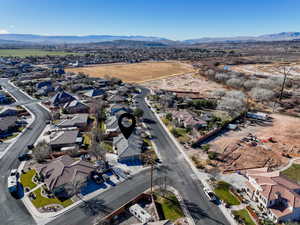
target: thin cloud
3 31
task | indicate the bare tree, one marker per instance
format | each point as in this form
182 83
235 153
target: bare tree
41 152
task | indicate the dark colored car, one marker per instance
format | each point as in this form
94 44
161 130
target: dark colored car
30 147
24 157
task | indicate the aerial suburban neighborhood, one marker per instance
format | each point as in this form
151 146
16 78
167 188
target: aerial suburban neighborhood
145 130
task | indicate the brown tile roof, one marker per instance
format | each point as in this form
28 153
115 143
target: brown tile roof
64 170
273 184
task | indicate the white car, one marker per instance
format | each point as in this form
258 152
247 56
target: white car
12 180
211 196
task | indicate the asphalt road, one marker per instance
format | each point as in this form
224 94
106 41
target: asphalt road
12 211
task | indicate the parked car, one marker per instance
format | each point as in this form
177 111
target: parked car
24 157
12 181
30 147
211 196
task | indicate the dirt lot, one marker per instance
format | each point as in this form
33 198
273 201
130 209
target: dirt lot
268 69
239 155
188 82
136 72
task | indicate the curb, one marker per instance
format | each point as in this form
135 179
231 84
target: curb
194 169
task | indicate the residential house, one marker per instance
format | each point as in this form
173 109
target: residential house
128 150
7 124
80 121
64 138
76 106
119 107
94 93
3 98
112 126
62 98
8 111
116 99
64 171
187 120
46 83
278 196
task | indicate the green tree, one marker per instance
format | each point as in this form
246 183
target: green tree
138 113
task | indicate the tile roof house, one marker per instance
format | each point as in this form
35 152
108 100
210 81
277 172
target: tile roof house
78 120
62 171
61 98
278 196
128 149
41 84
76 106
186 119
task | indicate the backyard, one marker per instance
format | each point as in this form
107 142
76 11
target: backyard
222 190
244 215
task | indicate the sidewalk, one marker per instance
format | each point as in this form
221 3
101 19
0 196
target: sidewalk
200 175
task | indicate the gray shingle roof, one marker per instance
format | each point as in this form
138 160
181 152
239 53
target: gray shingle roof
64 137
130 147
74 121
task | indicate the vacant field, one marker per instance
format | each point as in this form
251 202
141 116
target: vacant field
273 69
136 72
30 52
286 135
187 82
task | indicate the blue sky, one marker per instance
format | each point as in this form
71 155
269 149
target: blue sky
172 19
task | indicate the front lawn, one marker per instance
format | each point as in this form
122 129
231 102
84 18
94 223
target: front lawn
41 201
26 179
223 192
293 173
244 215
170 206
87 139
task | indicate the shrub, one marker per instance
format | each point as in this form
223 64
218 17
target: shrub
212 155
261 94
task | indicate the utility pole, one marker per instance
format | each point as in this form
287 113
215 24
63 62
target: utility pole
151 179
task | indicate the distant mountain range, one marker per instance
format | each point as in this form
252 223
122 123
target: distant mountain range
43 39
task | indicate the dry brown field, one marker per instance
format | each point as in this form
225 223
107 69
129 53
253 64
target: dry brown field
136 72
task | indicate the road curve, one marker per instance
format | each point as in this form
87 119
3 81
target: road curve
12 211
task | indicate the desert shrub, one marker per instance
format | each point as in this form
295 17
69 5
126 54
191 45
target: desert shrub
261 94
235 82
222 77
249 84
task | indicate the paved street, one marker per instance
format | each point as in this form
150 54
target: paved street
12 212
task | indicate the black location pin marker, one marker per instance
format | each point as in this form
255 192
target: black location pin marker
127 131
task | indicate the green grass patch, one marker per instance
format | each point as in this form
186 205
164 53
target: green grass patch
107 147
26 179
41 201
293 173
31 52
170 206
244 215
87 139
223 192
